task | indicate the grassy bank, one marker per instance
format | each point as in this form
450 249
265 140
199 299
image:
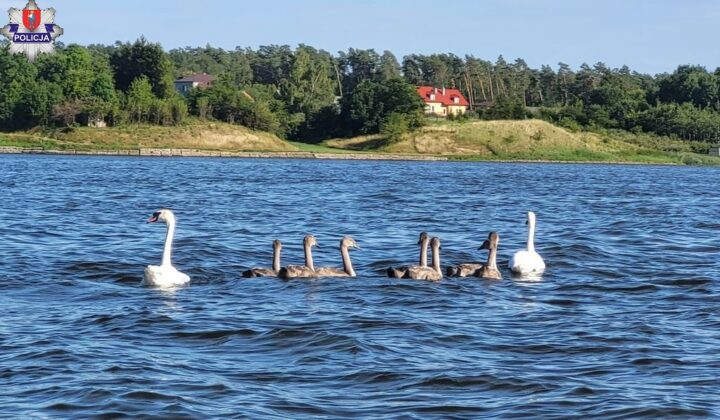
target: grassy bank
532 140
194 135
324 148
525 140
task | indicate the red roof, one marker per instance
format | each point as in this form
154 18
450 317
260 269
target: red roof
200 78
446 99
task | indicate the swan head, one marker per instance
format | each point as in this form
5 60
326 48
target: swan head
435 243
530 218
277 244
162 215
423 238
310 241
491 242
348 242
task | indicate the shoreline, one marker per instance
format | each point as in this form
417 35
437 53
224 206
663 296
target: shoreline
157 152
506 141
154 152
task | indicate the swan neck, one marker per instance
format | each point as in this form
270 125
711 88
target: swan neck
531 236
492 258
436 259
308 257
423 253
347 264
276 259
167 250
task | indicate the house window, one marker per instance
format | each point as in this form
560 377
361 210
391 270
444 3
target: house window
456 100
432 96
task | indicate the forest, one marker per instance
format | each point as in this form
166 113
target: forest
309 94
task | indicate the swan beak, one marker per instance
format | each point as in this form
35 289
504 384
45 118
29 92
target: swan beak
153 218
357 246
485 245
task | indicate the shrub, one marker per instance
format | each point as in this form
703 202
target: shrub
394 127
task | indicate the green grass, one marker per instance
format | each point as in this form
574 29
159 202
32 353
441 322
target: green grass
536 140
25 140
194 134
522 140
320 148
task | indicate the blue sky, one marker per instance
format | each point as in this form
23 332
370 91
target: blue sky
649 36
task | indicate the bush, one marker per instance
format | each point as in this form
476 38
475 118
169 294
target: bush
178 110
394 127
505 108
372 103
259 117
570 124
67 111
203 108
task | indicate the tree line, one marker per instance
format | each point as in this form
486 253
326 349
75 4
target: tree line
309 94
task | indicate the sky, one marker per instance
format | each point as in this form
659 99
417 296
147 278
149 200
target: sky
649 36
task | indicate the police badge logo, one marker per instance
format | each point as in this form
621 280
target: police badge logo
31 18
32 31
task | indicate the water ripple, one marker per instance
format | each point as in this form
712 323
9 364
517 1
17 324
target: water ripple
624 323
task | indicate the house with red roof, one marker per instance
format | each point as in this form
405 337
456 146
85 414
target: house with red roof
198 80
443 102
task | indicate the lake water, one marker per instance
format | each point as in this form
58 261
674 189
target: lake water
625 322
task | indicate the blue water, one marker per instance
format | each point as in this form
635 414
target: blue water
624 323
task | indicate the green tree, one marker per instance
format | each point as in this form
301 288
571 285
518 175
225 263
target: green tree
309 87
26 100
389 66
271 64
358 65
36 104
141 100
310 84
142 58
15 73
689 84
373 102
412 70
71 69
565 81
394 127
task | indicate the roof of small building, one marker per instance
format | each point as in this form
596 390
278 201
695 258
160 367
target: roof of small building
446 99
202 78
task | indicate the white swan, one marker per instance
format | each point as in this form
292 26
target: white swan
164 275
527 261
